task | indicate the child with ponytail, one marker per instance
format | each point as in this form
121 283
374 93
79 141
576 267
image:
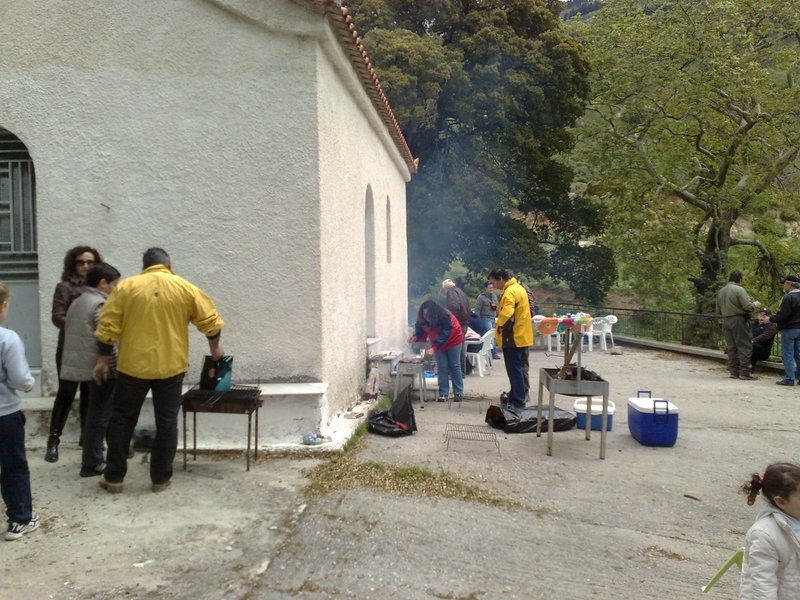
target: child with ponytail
771 566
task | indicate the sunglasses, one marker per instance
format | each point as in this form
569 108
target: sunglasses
84 262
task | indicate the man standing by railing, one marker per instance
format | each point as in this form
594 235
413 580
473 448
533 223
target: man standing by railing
788 320
735 306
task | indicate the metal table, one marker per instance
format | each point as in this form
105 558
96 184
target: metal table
240 399
415 368
548 378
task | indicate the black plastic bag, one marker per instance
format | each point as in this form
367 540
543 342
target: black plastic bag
515 420
143 438
398 421
571 373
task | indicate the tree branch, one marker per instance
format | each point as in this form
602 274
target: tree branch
756 243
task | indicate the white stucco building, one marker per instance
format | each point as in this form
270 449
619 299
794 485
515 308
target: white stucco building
250 139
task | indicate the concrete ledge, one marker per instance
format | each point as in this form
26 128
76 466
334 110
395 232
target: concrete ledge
293 389
692 350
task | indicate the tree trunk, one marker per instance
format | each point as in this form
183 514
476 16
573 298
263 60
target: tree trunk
713 267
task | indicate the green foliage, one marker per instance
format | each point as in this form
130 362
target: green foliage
692 139
484 92
589 270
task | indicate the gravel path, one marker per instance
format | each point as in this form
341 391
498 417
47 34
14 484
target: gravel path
643 523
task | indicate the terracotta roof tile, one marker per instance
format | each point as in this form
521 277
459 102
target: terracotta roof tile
351 43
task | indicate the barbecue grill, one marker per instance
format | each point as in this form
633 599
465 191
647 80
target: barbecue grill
240 400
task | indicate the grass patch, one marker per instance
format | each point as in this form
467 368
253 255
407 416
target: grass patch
343 471
351 444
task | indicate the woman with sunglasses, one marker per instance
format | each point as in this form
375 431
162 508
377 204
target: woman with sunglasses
77 263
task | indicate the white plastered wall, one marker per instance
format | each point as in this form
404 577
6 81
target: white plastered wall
181 125
357 159
213 128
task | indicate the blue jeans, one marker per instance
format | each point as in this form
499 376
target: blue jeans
515 369
790 352
129 395
98 414
448 362
15 477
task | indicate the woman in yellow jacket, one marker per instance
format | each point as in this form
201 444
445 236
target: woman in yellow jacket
514 331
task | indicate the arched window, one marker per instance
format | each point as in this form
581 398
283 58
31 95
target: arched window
19 262
388 230
369 263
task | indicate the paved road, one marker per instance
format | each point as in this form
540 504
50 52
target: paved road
644 523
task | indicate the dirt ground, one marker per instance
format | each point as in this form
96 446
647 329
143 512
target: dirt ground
645 522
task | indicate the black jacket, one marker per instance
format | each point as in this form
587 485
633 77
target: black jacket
788 315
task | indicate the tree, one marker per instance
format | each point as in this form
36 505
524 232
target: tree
693 128
484 92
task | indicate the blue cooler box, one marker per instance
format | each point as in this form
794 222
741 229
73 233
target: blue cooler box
652 421
579 407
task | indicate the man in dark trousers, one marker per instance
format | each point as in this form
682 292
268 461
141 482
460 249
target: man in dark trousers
149 314
788 321
735 306
763 336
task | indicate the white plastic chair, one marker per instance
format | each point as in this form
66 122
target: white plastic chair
550 338
482 359
588 335
601 328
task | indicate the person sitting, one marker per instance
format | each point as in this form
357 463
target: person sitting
763 336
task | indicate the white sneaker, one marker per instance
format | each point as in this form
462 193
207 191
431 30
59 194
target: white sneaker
17 530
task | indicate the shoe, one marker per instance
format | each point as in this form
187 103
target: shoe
17 530
784 382
441 399
748 377
733 375
92 471
111 487
458 398
160 487
51 454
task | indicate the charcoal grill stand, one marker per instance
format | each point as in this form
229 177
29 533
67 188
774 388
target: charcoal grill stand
416 370
233 402
548 378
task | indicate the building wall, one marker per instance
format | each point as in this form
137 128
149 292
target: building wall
181 125
193 125
357 165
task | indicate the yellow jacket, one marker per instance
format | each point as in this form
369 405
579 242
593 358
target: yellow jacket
149 314
516 332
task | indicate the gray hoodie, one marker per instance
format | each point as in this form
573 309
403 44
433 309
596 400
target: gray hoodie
14 371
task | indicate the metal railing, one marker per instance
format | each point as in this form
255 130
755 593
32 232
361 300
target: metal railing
688 329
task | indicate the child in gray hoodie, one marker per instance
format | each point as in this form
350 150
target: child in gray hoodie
15 478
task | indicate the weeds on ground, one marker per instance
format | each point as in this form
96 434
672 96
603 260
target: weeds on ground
344 471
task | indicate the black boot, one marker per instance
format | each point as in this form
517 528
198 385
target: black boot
51 454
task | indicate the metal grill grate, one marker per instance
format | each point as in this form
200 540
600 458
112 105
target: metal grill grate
473 433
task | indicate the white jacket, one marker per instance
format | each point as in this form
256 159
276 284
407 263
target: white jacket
771 566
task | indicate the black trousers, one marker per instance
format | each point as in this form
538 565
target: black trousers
65 396
128 397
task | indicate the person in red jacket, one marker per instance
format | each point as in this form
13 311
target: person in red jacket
440 326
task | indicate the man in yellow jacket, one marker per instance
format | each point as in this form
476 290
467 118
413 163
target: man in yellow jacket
149 315
514 331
